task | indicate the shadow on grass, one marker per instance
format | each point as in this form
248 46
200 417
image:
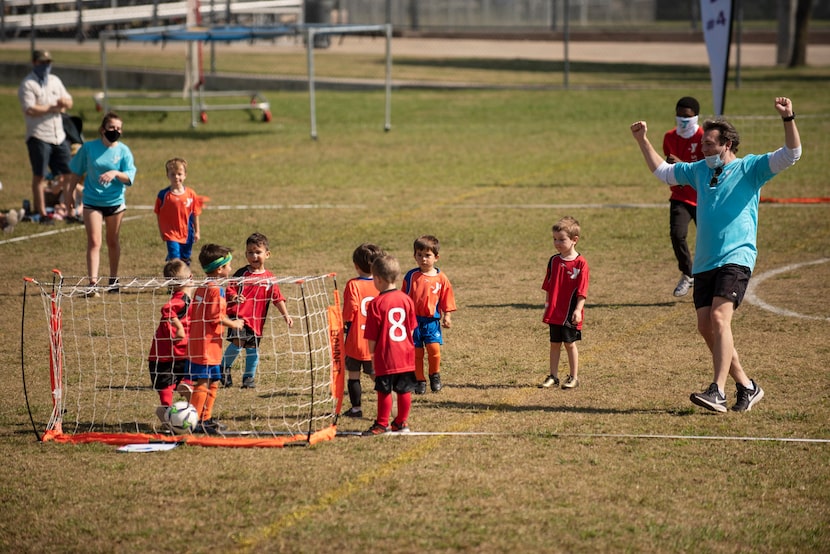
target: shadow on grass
526 306
502 407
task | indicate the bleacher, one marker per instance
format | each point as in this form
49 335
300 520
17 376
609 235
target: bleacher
84 15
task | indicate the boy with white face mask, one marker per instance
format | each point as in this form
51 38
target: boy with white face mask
682 144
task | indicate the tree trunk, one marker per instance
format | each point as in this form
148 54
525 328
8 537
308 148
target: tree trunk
798 57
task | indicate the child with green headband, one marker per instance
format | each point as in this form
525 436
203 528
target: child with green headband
208 315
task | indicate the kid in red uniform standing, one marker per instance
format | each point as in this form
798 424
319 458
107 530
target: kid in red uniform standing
432 293
168 352
566 285
682 144
248 301
178 208
358 293
208 313
390 322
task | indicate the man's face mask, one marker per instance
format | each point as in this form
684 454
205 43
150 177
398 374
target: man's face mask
42 70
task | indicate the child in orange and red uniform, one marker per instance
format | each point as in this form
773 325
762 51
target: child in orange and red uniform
432 293
682 144
390 322
168 352
178 208
358 293
208 313
566 285
248 301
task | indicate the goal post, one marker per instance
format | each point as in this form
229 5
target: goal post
98 343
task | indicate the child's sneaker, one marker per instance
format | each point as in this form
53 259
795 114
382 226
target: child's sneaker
747 398
420 387
354 412
550 381
375 429
161 411
248 383
435 382
711 399
400 427
570 383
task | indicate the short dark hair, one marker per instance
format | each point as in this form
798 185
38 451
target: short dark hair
174 268
364 255
727 132
258 239
427 242
689 102
386 267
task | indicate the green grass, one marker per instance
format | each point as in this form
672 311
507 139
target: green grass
488 172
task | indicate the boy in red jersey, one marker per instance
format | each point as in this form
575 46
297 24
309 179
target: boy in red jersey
208 313
248 300
682 144
390 322
432 293
358 293
566 285
168 352
178 208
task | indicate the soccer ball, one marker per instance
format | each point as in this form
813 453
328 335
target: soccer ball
182 417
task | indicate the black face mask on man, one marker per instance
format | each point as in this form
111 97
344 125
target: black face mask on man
112 135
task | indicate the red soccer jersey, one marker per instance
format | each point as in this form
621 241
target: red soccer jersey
176 213
564 282
432 294
206 311
688 150
164 348
390 320
260 290
356 296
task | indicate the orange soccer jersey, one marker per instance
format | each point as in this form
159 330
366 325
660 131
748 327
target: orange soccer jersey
357 295
206 311
176 213
432 294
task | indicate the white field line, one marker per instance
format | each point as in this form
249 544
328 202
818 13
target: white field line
752 298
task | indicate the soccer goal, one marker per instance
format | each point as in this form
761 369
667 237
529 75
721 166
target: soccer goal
94 345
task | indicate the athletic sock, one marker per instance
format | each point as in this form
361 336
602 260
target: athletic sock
211 398
229 357
404 406
251 362
434 357
166 396
419 364
384 408
198 398
355 392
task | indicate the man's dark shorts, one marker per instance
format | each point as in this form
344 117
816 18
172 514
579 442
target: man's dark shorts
44 156
729 281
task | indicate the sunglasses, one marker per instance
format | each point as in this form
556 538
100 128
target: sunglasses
714 182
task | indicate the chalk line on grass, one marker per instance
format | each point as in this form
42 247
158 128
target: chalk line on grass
753 298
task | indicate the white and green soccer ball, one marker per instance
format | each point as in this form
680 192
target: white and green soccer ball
182 417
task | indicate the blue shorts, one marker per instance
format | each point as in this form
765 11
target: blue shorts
179 250
43 156
428 331
200 371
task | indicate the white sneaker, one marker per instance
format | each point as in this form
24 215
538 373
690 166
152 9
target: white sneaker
683 285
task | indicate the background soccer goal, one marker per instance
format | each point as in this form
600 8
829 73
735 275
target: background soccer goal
94 350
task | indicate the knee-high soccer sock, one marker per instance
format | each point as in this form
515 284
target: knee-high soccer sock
166 396
355 392
404 406
434 357
211 398
384 408
419 364
199 398
229 357
251 362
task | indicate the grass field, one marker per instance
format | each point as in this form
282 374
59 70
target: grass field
624 463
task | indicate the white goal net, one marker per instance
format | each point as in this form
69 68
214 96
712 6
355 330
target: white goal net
97 349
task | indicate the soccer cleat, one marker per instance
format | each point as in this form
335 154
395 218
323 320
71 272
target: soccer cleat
375 429
90 292
683 285
747 398
400 427
435 382
711 399
248 383
420 387
354 411
161 411
210 427
570 383
550 381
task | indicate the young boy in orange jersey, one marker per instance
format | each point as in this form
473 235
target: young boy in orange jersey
390 322
248 300
432 293
208 313
168 352
177 209
358 293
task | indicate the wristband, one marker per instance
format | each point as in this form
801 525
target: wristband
788 118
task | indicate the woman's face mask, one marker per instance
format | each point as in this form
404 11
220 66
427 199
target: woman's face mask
112 135
686 126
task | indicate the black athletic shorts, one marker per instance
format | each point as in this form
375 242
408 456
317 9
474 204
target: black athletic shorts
729 281
564 333
397 382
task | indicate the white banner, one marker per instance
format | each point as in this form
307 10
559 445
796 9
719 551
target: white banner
717 31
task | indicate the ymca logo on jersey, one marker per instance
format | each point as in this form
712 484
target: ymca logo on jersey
436 288
574 273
